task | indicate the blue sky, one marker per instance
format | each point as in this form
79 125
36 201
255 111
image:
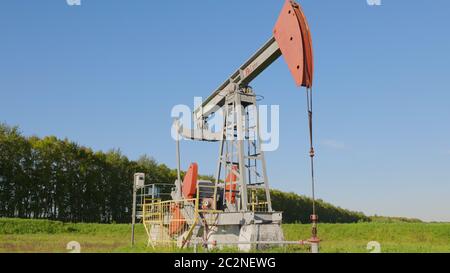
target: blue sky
106 74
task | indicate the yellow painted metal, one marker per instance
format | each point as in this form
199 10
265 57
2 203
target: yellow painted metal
164 221
170 223
257 206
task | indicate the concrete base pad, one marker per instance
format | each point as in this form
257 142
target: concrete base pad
237 229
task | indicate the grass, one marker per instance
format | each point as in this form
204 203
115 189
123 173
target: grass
396 237
18 235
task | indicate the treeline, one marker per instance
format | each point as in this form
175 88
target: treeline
298 209
49 178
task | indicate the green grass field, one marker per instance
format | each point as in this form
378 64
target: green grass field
17 235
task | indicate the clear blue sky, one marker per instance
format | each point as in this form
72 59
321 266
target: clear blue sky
106 74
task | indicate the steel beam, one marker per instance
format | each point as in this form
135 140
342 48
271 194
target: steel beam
262 59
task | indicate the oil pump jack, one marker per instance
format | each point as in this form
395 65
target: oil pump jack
236 208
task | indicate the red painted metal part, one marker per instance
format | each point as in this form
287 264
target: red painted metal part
294 39
230 185
177 221
190 182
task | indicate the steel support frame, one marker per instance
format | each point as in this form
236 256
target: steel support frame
232 149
